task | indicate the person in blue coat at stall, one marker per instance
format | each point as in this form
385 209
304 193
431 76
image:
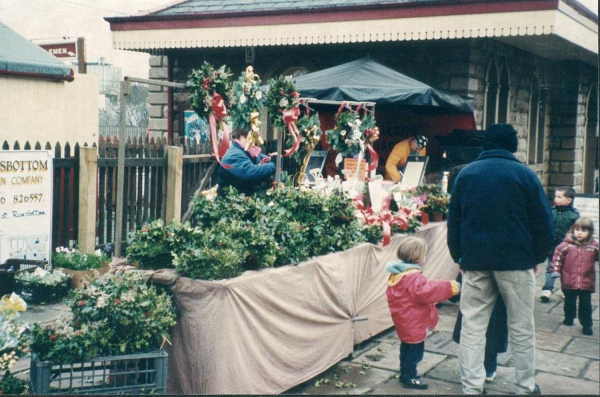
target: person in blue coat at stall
248 171
499 229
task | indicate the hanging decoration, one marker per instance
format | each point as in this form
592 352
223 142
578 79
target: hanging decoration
247 106
282 105
211 95
353 135
309 128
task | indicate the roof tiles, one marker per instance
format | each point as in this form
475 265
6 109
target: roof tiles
214 6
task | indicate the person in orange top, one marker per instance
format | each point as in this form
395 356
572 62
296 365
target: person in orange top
413 146
411 300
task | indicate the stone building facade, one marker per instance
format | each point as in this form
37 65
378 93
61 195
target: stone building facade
541 79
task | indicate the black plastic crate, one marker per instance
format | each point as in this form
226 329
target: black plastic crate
34 292
140 373
12 267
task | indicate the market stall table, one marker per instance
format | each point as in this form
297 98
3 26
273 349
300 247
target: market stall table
269 330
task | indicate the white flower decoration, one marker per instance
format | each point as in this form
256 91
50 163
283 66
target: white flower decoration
243 98
258 95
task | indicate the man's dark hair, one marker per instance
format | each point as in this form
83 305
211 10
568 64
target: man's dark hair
568 192
239 132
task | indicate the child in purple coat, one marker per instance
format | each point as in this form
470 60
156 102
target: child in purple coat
573 262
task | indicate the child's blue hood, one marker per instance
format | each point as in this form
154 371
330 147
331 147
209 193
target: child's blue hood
396 267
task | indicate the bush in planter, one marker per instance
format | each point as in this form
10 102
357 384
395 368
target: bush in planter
42 286
434 199
73 259
112 314
81 265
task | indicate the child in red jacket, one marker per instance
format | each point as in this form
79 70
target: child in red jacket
573 262
411 299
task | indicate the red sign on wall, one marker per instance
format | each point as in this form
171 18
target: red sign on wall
62 50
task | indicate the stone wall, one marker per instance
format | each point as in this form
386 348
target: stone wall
158 97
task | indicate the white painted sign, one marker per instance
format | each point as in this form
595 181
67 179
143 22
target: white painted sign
25 204
587 205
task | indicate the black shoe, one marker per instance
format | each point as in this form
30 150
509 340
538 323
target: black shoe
414 383
567 322
587 331
536 391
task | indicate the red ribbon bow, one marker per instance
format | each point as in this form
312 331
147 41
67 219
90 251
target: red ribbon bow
219 111
290 117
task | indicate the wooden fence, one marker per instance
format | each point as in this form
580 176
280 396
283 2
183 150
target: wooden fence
144 184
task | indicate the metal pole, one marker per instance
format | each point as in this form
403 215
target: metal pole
125 90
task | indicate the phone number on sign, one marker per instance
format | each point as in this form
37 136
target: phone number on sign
24 198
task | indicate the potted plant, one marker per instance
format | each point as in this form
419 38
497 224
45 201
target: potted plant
12 343
434 201
42 286
114 337
81 265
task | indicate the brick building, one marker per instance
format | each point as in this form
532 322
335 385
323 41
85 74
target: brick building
531 63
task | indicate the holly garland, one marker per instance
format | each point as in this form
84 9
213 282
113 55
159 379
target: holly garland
247 105
282 96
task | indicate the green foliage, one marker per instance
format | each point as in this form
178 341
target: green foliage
282 96
283 227
205 82
10 384
76 260
151 247
112 314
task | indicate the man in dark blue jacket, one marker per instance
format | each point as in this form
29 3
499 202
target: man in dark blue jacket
244 170
499 229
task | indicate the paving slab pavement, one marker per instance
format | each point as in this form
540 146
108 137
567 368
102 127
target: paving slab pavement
567 362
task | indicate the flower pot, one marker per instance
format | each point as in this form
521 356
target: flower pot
437 217
80 275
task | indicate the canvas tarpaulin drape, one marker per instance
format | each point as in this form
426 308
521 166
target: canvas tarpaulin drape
366 80
269 330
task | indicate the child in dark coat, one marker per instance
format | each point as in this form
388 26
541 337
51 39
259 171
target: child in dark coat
411 299
564 215
574 262
496 336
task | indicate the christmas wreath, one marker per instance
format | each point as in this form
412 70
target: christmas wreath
282 96
247 105
353 134
204 83
210 97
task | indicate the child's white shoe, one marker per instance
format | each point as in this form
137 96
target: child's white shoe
491 377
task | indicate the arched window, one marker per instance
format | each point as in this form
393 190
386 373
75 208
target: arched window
537 122
497 91
503 95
